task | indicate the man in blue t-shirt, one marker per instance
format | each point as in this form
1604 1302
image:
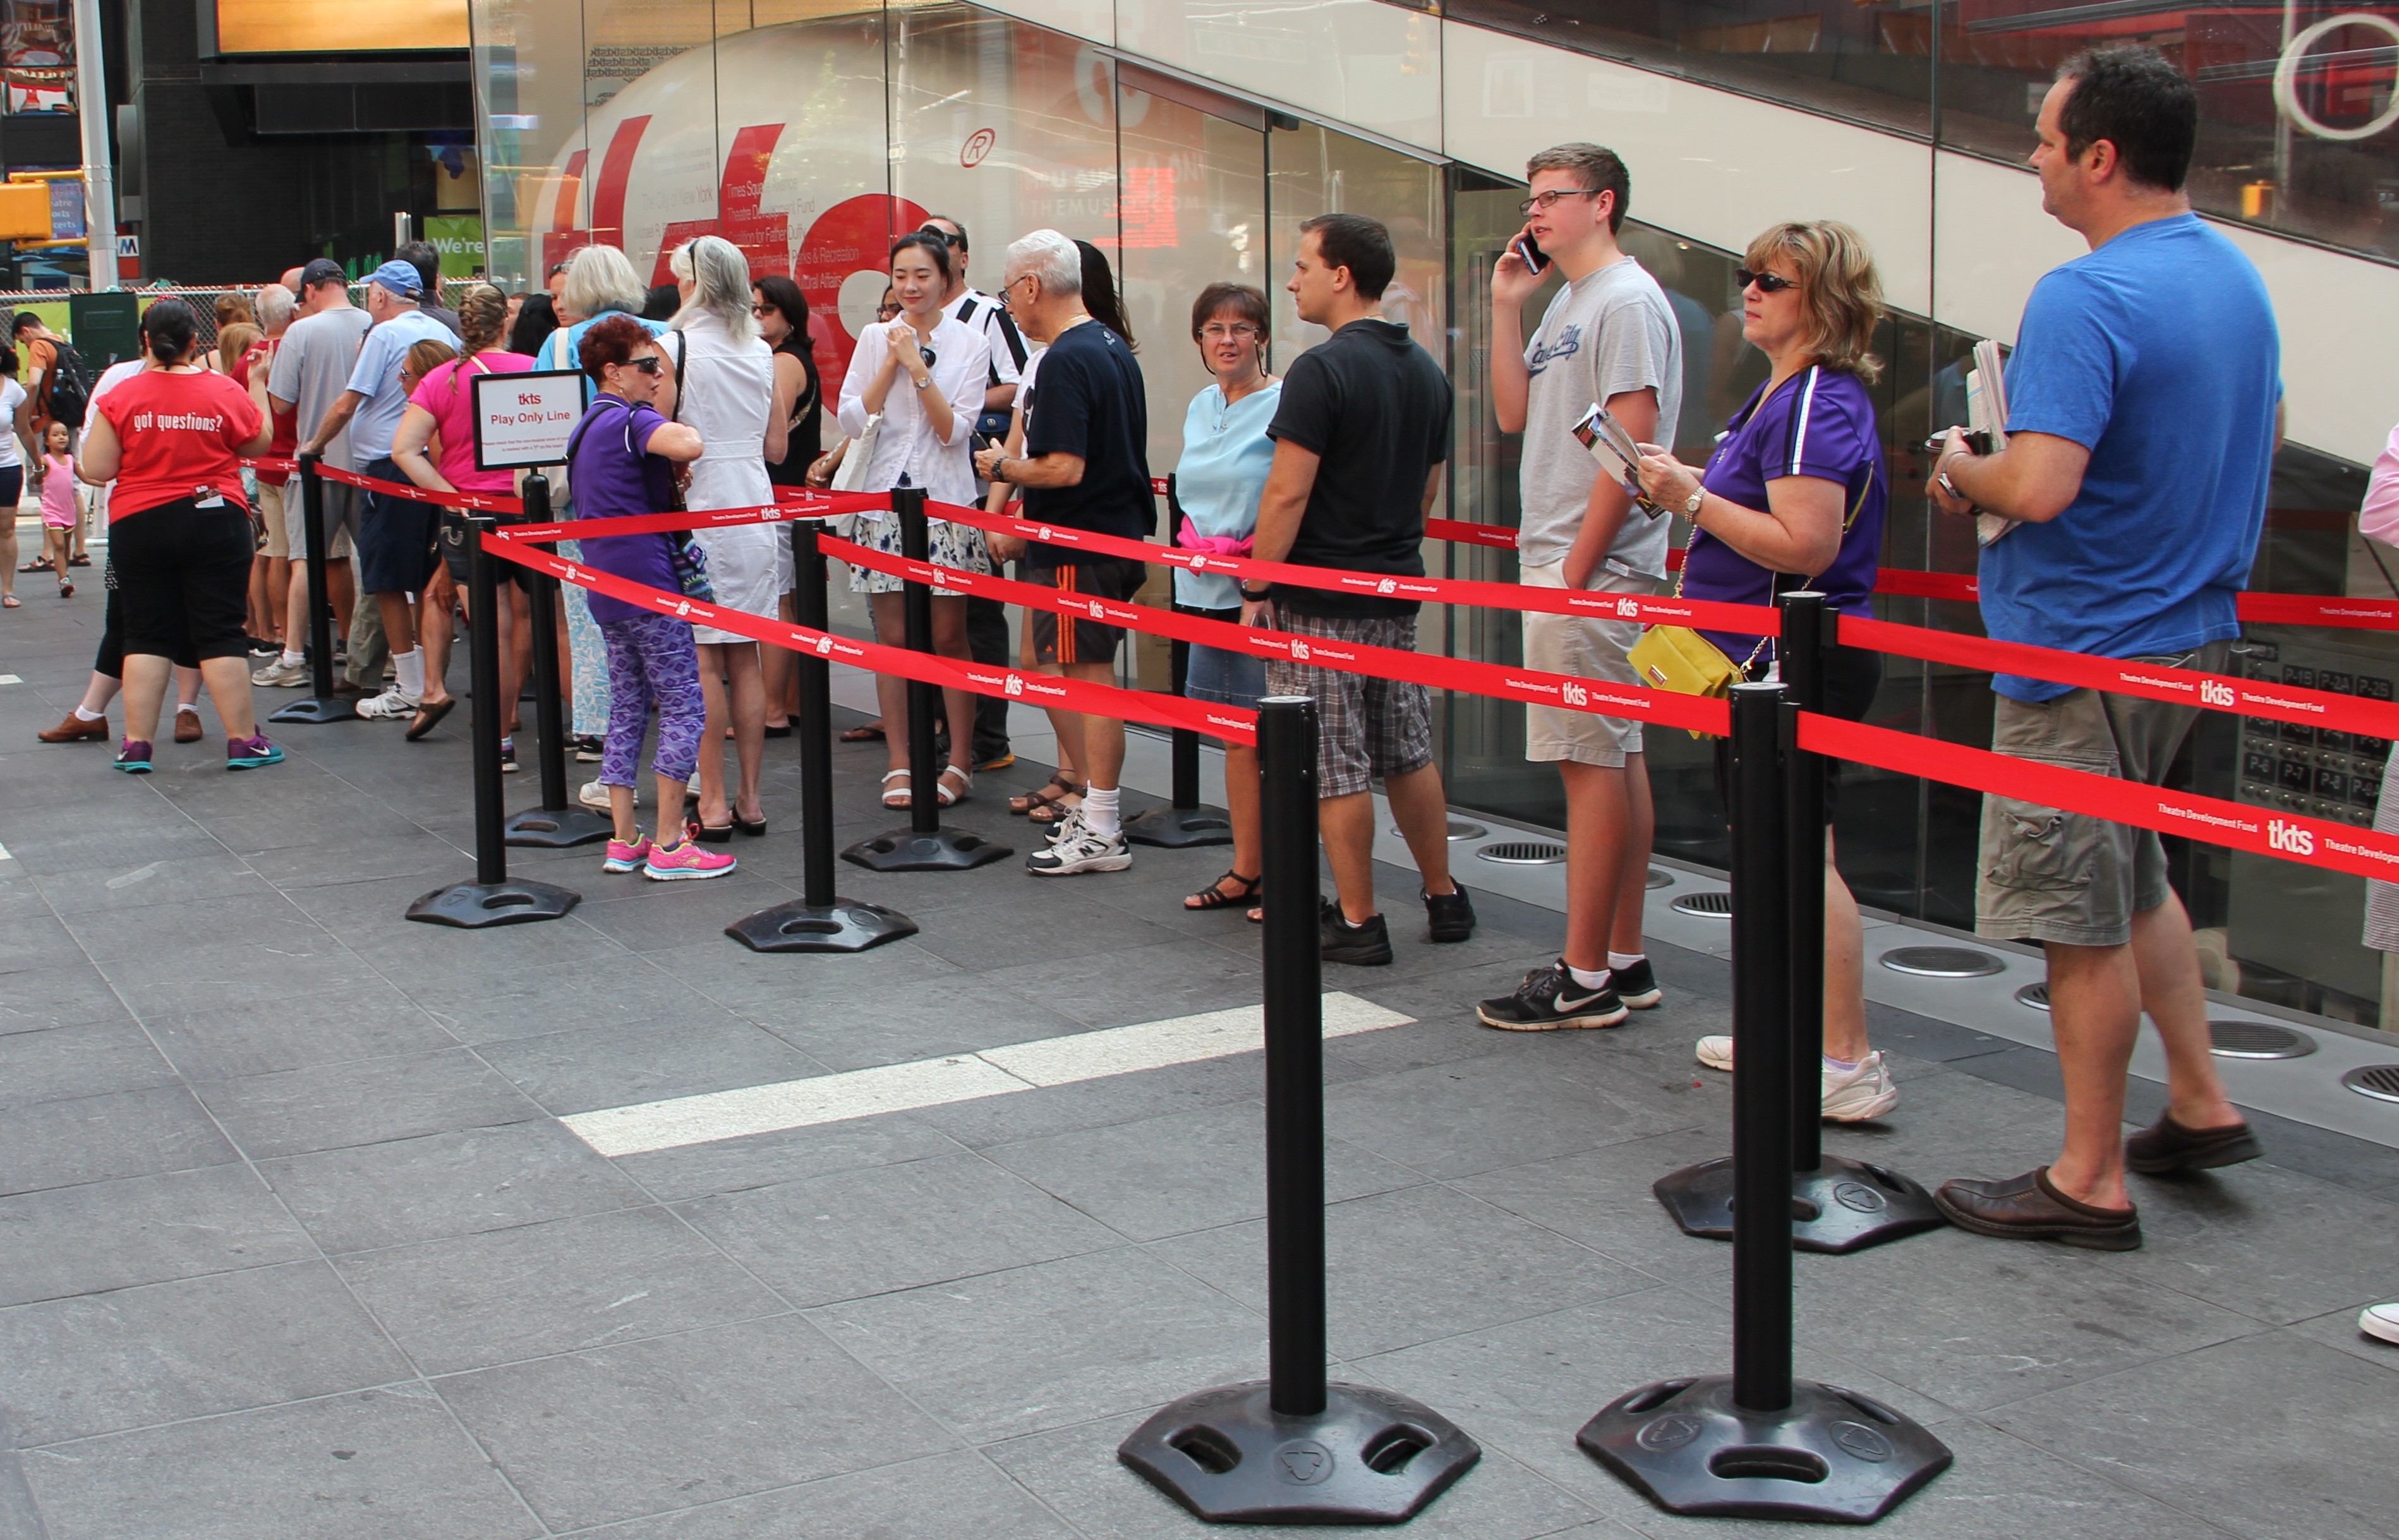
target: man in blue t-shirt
2143 415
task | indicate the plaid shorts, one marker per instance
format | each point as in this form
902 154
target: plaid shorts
1365 727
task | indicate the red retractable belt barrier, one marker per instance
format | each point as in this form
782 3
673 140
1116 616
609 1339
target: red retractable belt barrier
1745 619
268 461
2153 682
476 501
819 505
1701 714
2210 820
1224 722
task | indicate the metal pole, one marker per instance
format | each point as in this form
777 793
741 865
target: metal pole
1762 1067
92 111
483 643
816 720
549 714
924 700
1294 1036
321 601
1802 657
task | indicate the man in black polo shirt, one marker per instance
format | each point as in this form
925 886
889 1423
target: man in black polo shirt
1359 438
1086 466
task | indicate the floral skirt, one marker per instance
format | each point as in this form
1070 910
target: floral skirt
949 545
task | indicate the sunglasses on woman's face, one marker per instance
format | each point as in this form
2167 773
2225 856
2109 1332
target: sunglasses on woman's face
650 365
1768 283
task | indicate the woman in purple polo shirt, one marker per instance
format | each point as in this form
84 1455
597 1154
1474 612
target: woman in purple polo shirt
622 462
1794 498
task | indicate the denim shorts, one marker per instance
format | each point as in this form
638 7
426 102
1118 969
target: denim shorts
1223 678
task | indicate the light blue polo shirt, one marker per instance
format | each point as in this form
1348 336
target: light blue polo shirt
376 377
1220 478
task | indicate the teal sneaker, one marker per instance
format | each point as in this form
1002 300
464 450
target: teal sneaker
248 753
134 757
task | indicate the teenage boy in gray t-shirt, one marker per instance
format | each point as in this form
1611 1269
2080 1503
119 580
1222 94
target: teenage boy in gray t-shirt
1609 339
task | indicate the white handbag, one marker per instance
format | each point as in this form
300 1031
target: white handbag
851 476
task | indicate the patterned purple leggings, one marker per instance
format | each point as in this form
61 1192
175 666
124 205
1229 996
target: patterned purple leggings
652 661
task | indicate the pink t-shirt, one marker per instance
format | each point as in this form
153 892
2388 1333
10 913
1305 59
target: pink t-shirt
58 492
449 394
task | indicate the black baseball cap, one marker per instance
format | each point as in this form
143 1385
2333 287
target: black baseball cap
322 270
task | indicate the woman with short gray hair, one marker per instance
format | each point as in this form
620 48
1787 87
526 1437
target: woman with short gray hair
726 375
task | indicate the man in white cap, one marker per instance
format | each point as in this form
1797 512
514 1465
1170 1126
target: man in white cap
398 549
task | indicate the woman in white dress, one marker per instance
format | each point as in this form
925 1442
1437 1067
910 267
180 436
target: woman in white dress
910 371
726 373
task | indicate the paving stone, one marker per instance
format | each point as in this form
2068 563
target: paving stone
472 1301
87 1060
302 1032
1151 984
904 1023
104 1362
620 1432
148 1229
702 1049
940 1497
85 1139
1530 1102
390 1464
364 1101
1603 1199
885 1228
482 1005
70 993
445 1184
2269 1243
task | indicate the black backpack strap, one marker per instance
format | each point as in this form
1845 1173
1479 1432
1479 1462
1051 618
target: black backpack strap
1015 339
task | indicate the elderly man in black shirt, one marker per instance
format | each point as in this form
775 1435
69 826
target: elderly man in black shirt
1360 439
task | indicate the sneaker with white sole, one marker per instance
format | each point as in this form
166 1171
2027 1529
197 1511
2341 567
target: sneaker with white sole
280 675
683 861
623 857
1850 1096
2380 1321
1549 999
593 794
391 705
1077 848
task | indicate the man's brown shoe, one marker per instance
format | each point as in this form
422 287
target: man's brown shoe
2166 1145
187 727
76 730
2027 1208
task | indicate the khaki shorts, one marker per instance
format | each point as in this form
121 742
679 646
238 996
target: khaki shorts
1586 647
270 513
2045 875
341 504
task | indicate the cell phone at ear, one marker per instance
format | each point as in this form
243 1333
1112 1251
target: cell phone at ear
1535 258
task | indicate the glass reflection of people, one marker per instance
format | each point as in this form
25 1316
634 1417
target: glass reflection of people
2378 519
1798 485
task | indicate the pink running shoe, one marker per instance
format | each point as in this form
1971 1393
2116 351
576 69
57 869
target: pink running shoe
623 857
684 861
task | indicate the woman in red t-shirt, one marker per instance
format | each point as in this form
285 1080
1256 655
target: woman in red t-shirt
179 532
435 448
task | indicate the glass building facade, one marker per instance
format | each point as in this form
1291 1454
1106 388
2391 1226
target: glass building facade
1188 139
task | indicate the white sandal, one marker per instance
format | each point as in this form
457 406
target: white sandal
941 791
907 796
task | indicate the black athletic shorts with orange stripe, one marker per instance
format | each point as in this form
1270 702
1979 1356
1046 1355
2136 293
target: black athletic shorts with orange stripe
1083 640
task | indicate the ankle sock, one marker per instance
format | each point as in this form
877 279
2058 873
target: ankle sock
1839 1066
82 715
193 708
290 657
410 667
1625 959
1588 977
1100 811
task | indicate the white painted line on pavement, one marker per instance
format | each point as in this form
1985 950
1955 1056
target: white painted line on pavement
936 1082
10 678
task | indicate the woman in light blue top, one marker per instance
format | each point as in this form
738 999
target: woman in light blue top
1217 483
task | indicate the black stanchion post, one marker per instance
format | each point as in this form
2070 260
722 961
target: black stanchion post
924 845
322 704
1757 1443
1838 1204
556 823
821 920
1183 821
1294 1449
490 898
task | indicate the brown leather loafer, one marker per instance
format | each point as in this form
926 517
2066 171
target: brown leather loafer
2166 1145
2027 1208
187 727
76 730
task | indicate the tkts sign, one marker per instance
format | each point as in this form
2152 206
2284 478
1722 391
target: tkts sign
764 238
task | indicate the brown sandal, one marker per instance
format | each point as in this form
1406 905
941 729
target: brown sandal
1214 896
1042 796
1056 810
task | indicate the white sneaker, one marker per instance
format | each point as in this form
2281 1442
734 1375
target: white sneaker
593 795
1851 1095
280 675
1077 848
389 706
2380 1321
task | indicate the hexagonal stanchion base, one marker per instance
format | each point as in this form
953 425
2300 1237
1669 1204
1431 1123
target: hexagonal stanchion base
1177 828
474 906
943 850
556 830
841 925
1843 1204
1369 1457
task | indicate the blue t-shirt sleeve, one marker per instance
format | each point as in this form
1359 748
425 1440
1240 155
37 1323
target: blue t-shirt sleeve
1830 431
377 363
1062 406
2062 375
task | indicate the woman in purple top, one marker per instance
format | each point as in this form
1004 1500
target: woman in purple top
621 462
1794 498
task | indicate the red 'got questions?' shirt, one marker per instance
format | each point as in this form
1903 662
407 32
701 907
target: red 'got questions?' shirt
182 435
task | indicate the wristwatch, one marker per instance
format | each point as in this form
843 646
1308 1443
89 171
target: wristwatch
1691 504
1255 598
925 383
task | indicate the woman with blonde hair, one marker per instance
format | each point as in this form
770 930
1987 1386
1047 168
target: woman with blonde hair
1794 498
724 372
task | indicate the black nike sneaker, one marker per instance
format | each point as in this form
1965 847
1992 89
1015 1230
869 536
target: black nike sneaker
1548 999
1637 986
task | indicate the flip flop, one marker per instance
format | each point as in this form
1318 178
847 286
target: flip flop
428 716
862 734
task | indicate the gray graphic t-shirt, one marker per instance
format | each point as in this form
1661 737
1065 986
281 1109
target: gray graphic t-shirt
1608 332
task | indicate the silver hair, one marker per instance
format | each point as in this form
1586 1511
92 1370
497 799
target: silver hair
601 279
719 276
275 305
1052 258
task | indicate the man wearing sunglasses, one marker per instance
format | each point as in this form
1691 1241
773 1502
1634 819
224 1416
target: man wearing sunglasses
1608 339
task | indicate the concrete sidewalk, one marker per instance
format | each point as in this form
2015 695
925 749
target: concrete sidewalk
299 1246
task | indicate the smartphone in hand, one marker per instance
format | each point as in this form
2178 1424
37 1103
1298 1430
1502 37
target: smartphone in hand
1535 258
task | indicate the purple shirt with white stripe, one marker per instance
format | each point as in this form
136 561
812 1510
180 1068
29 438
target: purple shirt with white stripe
1818 423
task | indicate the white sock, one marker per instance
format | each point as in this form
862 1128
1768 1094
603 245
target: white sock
1589 978
193 708
82 715
1100 811
410 666
1625 959
290 657
1838 1066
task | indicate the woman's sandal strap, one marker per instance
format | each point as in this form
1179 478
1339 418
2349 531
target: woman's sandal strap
1214 896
